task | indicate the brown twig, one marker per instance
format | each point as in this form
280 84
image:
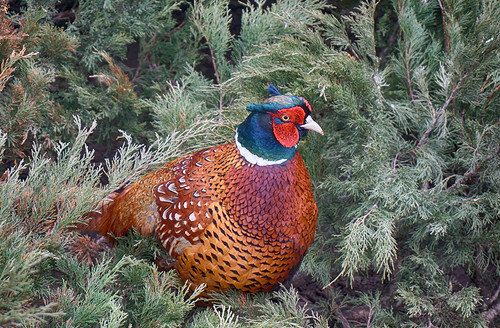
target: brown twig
429 322
408 71
492 94
474 171
363 218
216 72
370 317
493 298
449 99
175 29
401 6
343 319
482 87
492 312
395 163
141 60
445 35
441 111
213 61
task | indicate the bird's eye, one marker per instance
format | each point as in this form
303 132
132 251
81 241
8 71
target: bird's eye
285 118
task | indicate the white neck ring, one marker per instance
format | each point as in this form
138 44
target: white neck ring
252 158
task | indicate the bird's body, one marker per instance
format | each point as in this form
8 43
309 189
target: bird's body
232 216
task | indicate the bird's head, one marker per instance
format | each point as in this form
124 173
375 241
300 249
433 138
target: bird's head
271 132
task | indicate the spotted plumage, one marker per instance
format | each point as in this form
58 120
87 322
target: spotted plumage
234 216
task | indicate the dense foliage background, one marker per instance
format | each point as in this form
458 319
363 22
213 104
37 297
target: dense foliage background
95 93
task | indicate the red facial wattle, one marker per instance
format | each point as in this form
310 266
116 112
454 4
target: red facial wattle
286 134
284 125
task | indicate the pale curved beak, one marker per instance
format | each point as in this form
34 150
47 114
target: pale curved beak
312 125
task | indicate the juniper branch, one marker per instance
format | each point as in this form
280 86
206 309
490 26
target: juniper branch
441 111
216 72
474 171
7 67
202 28
142 58
451 97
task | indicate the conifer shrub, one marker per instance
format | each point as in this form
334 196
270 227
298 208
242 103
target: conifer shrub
407 176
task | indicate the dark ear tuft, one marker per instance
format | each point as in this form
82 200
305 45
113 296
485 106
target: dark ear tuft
272 90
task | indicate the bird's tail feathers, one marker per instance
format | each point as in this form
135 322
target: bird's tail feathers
111 218
99 215
101 219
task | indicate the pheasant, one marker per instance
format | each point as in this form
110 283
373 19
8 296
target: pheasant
235 216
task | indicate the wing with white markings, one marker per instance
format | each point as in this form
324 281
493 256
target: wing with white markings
183 204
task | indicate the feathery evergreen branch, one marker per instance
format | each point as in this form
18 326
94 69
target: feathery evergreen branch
7 66
213 24
474 171
451 97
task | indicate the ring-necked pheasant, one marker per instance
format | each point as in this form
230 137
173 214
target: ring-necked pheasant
239 215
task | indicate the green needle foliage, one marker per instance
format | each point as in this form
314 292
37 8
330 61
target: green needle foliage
94 94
